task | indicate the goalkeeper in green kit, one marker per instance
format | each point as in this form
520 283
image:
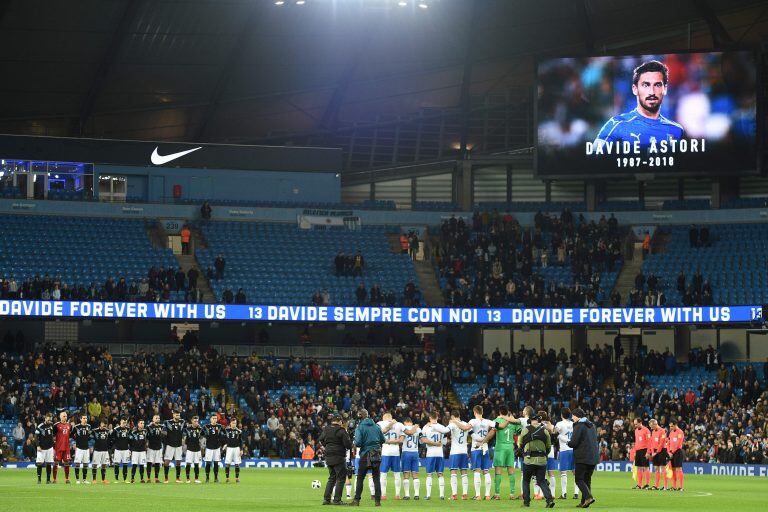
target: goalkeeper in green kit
506 428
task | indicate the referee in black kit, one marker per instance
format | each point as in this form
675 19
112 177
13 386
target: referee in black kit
336 441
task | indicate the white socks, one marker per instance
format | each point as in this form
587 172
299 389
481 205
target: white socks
488 484
454 483
429 485
477 483
383 480
564 483
349 490
407 487
552 484
398 476
441 484
415 486
464 484
371 486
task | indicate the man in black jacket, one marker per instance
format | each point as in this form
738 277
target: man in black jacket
336 441
586 455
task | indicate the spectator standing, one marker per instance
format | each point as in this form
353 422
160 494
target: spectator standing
219 264
647 244
192 275
186 235
94 408
413 245
404 243
18 435
205 211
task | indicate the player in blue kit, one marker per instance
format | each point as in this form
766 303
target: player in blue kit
644 125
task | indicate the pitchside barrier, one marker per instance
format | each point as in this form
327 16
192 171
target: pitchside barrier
693 468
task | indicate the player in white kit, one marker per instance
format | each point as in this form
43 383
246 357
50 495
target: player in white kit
564 431
433 435
410 459
459 458
390 452
480 457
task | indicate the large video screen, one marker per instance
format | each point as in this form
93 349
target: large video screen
692 113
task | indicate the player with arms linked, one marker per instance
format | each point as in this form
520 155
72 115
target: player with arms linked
121 441
44 437
192 436
155 435
174 431
82 433
234 438
61 431
138 451
214 436
101 442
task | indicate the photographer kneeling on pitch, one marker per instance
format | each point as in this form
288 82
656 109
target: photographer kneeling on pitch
336 441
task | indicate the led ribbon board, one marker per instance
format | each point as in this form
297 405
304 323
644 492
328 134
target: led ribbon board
355 314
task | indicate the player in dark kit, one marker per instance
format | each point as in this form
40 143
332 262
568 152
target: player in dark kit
214 437
82 433
174 430
155 436
192 436
645 124
234 438
44 437
121 442
138 450
101 441
61 430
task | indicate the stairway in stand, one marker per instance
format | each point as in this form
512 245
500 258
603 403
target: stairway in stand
428 283
186 262
625 281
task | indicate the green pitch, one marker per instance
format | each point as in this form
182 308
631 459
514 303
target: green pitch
288 490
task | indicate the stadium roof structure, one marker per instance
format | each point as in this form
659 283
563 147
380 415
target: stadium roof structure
251 71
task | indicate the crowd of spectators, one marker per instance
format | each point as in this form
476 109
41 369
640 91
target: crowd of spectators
87 379
725 418
158 286
648 290
349 264
495 261
406 381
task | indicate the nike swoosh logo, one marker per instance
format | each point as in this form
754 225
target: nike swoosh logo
158 159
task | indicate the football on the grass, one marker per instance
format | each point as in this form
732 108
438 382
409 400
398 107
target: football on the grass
315 484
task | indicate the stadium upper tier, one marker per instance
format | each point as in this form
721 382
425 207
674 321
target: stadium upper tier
734 262
81 250
282 264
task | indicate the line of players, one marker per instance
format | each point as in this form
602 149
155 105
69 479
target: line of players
469 444
656 446
143 447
